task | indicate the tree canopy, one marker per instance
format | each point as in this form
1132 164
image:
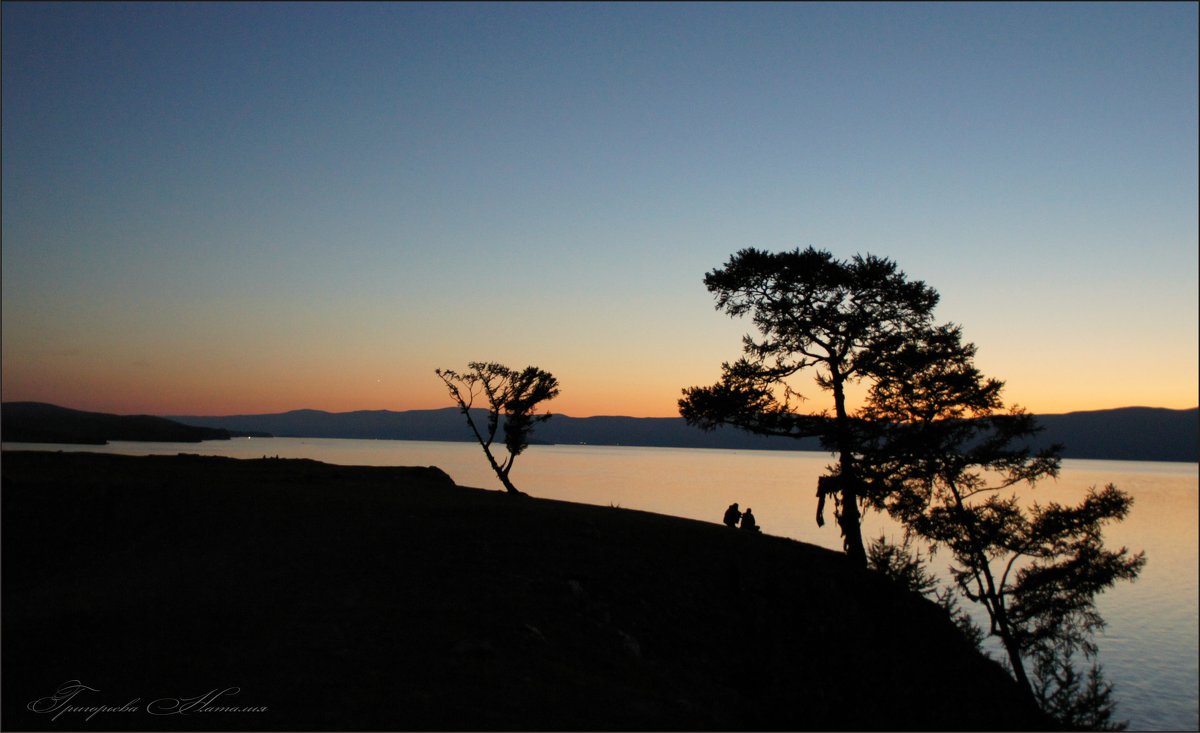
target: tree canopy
942 455
512 398
837 320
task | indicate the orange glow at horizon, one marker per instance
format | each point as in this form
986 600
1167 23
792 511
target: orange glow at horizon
246 390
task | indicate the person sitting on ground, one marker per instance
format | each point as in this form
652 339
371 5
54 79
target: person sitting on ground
748 520
732 515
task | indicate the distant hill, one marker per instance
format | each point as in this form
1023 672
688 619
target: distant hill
448 424
38 422
1126 434
1132 433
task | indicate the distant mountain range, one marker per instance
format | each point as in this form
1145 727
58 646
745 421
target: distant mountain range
38 422
1131 433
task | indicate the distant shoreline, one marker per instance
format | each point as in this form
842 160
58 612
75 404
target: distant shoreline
7 446
1133 434
1125 434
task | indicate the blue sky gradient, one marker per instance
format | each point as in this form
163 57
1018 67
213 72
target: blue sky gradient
219 208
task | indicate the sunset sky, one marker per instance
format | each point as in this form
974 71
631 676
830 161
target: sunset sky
239 208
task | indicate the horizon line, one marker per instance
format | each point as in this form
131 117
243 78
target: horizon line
551 412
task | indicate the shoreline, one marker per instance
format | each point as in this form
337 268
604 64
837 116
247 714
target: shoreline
111 448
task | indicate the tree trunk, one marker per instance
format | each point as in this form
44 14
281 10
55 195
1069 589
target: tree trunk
502 474
849 520
508 486
996 608
850 523
1018 667
1006 635
992 601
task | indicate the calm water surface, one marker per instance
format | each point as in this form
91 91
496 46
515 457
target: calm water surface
1150 649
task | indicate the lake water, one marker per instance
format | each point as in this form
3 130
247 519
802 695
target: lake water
1150 649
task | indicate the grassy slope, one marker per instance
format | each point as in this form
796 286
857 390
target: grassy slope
380 598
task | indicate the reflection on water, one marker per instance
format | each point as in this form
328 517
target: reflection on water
1149 650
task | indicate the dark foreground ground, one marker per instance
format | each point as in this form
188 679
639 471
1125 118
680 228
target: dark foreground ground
345 598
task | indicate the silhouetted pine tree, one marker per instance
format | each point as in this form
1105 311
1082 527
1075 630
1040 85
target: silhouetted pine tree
943 457
832 319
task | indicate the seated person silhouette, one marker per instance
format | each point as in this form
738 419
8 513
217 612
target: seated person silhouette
748 520
732 515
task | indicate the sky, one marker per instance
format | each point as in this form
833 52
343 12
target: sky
229 208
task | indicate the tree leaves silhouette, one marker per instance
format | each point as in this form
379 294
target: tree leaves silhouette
512 398
837 321
944 457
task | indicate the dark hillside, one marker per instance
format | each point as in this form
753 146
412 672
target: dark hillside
350 598
38 422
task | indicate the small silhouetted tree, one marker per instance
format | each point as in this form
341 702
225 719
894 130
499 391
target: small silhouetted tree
945 458
902 563
512 398
833 319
